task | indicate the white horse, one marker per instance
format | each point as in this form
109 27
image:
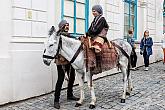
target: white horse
67 47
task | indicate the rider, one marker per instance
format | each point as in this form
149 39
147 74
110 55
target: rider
97 32
98 29
64 66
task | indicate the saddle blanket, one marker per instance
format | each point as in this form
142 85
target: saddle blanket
108 57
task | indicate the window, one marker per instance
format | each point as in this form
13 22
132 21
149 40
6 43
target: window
76 12
130 17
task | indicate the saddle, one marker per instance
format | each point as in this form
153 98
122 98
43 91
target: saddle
104 60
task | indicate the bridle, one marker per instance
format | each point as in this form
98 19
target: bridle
59 47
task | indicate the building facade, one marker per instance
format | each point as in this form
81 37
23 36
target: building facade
25 24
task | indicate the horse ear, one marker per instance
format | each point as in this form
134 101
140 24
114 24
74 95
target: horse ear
52 29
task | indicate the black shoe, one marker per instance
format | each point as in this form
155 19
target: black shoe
57 105
73 98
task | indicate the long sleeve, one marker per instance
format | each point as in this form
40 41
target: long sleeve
131 41
95 30
150 42
142 43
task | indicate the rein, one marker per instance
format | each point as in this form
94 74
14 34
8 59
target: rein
59 47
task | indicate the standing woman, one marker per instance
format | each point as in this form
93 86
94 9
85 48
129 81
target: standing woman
146 48
133 56
163 47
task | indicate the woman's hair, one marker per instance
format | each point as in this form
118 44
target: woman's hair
145 32
130 31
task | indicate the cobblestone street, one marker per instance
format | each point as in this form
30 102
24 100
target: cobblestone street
148 93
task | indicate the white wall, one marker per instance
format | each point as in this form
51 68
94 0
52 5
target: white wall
30 76
22 72
115 18
159 28
5 59
159 20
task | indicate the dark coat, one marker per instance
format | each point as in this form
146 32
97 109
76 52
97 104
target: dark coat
98 24
146 45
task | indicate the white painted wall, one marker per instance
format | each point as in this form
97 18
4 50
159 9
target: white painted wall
22 72
30 76
5 58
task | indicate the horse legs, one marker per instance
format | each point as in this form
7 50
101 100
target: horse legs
130 87
81 85
124 71
90 85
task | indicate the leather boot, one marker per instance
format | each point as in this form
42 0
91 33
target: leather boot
57 105
72 98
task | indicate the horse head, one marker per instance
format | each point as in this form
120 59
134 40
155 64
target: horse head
51 47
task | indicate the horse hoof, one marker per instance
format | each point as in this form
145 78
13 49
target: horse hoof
127 93
122 100
78 104
92 106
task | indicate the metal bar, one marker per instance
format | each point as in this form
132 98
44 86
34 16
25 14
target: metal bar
135 20
86 15
74 16
62 9
129 13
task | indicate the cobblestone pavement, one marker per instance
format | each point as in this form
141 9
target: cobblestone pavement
148 93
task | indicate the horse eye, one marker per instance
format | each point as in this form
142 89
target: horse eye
50 45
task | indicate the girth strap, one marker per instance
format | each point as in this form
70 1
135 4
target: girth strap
59 47
77 53
120 48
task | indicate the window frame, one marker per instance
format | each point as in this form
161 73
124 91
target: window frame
134 3
86 19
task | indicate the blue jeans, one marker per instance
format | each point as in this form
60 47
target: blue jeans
146 59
